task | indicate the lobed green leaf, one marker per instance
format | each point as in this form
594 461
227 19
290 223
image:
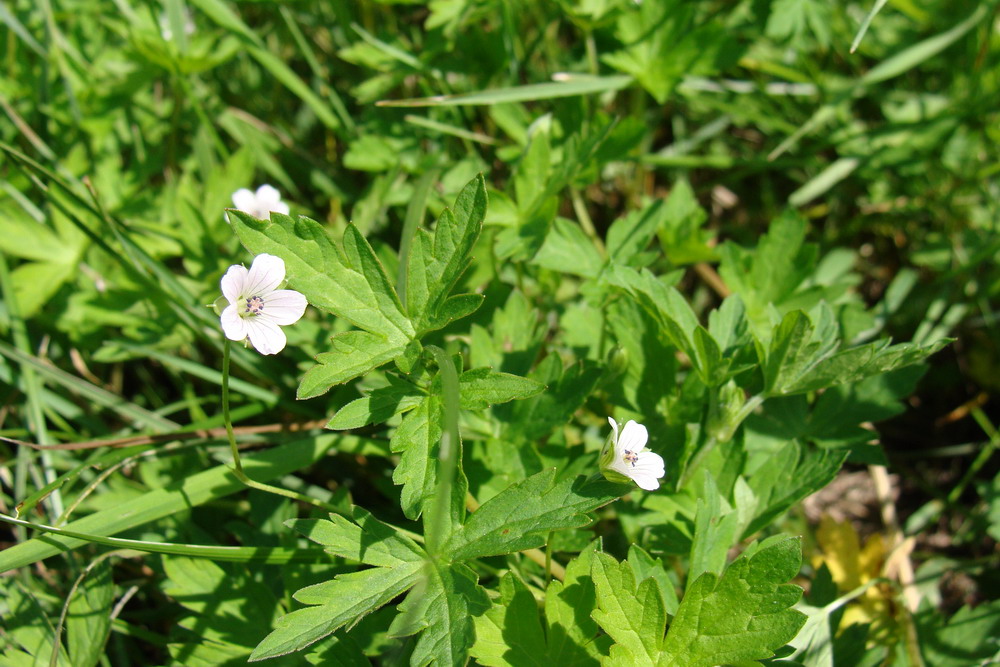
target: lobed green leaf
519 517
741 616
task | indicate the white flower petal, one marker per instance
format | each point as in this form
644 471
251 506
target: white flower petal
244 200
614 425
265 336
233 282
618 464
234 326
633 437
280 207
646 482
268 196
266 273
284 306
650 463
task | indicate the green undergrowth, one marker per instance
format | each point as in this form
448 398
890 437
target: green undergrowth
764 230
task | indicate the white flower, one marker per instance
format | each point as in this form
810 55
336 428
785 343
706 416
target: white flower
256 307
629 457
165 30
260 204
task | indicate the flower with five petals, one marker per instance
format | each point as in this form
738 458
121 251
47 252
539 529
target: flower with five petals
257 308
627 457
260 204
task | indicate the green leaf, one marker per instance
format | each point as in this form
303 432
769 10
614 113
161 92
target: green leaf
792 18
35 283
380 294
519 517
858 363
483 387
340 601
633 617
88 623
533 168
535 417
834 418
567 249
645 567
227 606
443 605
708 358
681 231
716 529
916 54
353 354
365 540
651 360
793 352
438 259
778 487
967 638
629 236
571 631
351 285
219 12
664 304
771 273
663 44
340 650
454 308
398 565
803 357
513 633
510 633
29 633
377 407
418 438
741 616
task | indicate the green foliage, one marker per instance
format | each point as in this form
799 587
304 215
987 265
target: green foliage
446 595
740 616
519 517
967 637
514 632
88 622
743 615
511 221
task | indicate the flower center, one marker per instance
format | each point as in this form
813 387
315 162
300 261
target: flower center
630 457
255 306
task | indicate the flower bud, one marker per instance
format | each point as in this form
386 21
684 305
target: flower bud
616 360
725 413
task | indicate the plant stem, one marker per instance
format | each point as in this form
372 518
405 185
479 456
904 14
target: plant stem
984 455
414 218
238 464
752 404
439 527
580 208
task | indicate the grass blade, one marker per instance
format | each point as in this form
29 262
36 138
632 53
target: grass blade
89 391
183 495
528 93
879 4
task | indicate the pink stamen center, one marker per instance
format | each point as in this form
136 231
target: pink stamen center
255 305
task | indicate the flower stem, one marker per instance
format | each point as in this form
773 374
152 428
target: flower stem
442 520
238 464
752 404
